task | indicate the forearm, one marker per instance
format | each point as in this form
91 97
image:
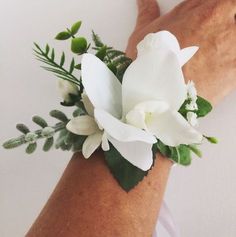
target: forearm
88 202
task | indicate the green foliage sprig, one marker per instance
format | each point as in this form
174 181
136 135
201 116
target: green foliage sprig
47 56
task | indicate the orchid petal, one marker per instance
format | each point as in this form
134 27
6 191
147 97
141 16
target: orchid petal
161 39
155 75
137 153
186 54
91 143
101 85
105 143
121 131
82 125
87 104
172 129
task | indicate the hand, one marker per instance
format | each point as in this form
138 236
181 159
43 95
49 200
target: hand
209 24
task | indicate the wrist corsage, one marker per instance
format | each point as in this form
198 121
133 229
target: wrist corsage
130 109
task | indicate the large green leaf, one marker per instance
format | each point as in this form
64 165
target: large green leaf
127 175
204 107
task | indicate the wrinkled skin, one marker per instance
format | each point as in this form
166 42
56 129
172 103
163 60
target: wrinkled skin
209 24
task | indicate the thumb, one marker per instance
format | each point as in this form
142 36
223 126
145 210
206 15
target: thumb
148 11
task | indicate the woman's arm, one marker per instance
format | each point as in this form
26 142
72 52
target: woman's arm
87 200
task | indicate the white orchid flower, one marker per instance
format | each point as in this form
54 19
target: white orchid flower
86 125
152 92
66 88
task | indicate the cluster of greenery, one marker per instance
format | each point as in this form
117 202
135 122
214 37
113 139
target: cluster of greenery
126 174
115 60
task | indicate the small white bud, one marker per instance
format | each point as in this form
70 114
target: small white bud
192 118
191 106
192 92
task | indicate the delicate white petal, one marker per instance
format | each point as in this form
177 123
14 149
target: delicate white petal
137 153
142 112
161 39
82 125
101 85
186 54
172 129
91 143
165 39
136 118
121 131
155 75
87 104
105 143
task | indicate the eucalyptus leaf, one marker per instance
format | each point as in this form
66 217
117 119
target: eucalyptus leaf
64 35
204 107
79 45
195 150
75 27
127 175
181 155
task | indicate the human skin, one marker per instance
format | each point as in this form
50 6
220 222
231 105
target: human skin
87 201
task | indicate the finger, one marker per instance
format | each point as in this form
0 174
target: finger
148 11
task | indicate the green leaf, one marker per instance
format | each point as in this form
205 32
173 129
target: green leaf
14 142
61 137
64 35
195 150
59 115
78 143
163 149
75 27
22 128
127 175
181 155
112 67
53 54
48 144
72 65
62 61
47 49
204 107
79 45
102 53
40 121
31 148
78 66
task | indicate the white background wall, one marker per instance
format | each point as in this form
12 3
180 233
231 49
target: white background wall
202 197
